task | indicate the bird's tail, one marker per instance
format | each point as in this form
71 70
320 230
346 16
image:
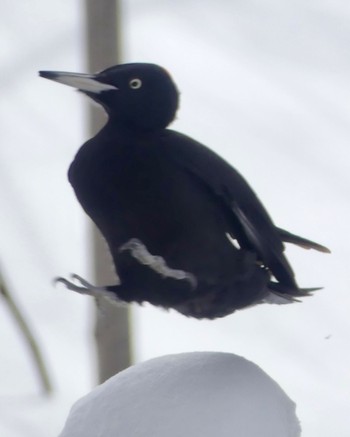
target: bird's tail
282 294
288 237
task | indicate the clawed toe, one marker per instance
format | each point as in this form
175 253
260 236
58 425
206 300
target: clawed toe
83 286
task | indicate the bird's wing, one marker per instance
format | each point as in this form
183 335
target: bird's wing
257 229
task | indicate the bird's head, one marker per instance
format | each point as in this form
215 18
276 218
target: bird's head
138 96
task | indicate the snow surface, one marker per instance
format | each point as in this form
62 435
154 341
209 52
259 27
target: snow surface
203 394
266 85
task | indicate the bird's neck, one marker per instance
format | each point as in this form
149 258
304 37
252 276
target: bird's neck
116 138
115 126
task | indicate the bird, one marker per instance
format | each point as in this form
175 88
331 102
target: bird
184 228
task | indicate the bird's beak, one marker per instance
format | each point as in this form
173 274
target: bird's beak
83 82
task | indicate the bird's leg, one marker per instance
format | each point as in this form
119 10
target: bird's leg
85 287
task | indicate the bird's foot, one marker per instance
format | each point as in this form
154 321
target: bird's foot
82 286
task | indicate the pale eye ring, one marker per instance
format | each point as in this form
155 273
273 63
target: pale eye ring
135 83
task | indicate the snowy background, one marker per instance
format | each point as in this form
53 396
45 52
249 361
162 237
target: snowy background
266 85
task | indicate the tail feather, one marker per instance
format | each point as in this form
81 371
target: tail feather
288 237
289 293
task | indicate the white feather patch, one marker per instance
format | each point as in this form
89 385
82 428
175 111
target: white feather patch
157 263
278 299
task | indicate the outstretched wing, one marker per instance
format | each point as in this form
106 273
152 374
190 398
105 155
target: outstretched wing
257 231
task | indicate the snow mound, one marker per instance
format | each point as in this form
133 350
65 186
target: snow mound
190 394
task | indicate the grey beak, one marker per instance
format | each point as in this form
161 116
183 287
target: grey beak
83 82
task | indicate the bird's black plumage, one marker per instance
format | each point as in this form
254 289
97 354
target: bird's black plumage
184 228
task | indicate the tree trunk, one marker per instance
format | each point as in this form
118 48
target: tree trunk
112 322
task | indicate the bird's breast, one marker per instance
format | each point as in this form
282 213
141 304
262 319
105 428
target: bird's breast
128 187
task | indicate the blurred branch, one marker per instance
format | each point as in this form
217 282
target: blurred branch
28 335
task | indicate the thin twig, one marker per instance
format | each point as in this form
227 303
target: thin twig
24 328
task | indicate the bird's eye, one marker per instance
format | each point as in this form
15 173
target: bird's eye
135 84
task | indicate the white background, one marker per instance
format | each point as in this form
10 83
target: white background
266 85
